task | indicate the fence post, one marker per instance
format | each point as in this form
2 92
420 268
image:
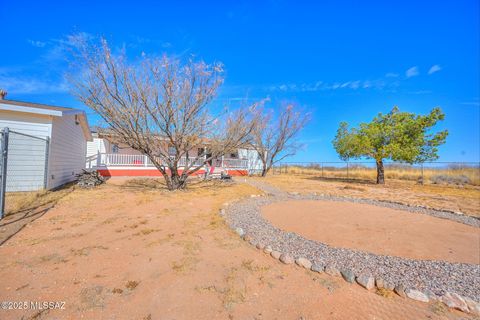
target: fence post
145 161
422 174
3 171
45 174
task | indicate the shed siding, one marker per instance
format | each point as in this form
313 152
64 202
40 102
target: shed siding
67 151
35 125
26 154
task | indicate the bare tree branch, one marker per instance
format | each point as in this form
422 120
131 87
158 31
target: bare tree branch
274 134
160 107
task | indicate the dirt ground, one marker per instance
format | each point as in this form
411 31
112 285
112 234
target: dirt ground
378 230
464 199
130 250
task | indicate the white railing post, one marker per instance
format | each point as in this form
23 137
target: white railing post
145 160
99 159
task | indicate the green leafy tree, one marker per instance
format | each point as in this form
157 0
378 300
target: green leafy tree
398 136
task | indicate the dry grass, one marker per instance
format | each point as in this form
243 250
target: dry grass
446 197
132 284
453 175
19 202
385 293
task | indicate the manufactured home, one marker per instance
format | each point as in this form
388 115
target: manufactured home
111 159
45 145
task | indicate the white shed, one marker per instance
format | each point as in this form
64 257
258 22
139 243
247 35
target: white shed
46 144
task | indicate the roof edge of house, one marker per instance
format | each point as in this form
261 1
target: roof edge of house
48 110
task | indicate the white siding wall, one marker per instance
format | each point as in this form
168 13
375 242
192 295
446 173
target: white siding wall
254 162
32 124
98 145
26 155
67 151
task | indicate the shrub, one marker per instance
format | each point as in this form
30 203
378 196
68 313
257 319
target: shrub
450 179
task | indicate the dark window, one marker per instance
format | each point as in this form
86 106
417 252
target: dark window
200 151
115 148
233 155
172 151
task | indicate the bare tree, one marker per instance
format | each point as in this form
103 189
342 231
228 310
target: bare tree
160 107
274 135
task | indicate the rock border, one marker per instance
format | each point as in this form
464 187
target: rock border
455 284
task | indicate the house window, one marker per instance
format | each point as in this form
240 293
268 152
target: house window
233 155
200 152
172 151
115 148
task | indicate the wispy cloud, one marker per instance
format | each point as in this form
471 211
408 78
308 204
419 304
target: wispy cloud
37 43
29 85
391 75
434 68
326 86
412 72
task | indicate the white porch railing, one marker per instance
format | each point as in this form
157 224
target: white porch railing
137 160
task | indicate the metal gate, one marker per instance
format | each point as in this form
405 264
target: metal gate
23 165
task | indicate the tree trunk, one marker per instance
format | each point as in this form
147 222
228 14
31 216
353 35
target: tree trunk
264 171
174 181
265 168
177 181
380 172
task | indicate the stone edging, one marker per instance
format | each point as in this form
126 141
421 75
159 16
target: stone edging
455 284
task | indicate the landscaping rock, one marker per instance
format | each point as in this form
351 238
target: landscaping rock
287 259
318 268
380 283
432 296
260 246
348 275
455 301
247 238
366 281
423 275
416 295
222 212
400 290
268 249
276 254
302 262
384 284
388 285
252 242
473 307
240 232
331 270
89 179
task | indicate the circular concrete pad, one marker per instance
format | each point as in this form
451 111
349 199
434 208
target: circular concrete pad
377 230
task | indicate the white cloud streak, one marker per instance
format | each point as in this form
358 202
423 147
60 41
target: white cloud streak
412 72
434 68
36 43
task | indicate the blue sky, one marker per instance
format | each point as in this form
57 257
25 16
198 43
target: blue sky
340 60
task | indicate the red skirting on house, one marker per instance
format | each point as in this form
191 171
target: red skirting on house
154 173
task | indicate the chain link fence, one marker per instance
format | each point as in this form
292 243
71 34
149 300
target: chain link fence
458 173
23 164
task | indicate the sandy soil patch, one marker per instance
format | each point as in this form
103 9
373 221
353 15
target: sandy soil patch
378 230
131 250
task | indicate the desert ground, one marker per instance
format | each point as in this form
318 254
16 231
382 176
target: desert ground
128 249
464 199
395 232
